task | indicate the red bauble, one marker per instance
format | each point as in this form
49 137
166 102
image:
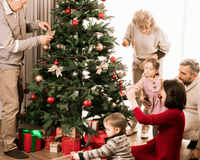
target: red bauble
101 15
33 96
160 96
68 11
75 23
56 62
26 90
114 76
87 103
113 59
120 82
103 0
50 100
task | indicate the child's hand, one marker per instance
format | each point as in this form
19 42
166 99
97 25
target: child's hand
122 93
125 43
75 156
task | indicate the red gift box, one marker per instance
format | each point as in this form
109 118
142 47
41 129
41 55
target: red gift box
29 142
97 140
47 142
54 132
86 148
70 144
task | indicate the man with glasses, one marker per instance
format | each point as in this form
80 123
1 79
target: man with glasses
13 43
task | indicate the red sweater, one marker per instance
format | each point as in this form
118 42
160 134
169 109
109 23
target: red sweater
167 144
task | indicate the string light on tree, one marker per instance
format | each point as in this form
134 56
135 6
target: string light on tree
50 100
75 23
101 15
87 103
33 96
99 47
68 11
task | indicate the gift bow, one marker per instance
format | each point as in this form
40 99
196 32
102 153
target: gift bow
57 69
36 133
99 68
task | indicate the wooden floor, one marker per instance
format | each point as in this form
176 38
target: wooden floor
45 154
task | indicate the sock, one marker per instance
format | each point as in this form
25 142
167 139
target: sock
16 153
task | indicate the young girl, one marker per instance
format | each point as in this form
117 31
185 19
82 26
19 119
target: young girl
151 84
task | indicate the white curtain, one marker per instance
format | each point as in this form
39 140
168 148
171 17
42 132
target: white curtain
36 10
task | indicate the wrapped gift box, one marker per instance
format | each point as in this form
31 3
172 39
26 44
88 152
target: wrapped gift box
30 140
55 147
74 134
94 124
47 142
54 132
70 144
97 140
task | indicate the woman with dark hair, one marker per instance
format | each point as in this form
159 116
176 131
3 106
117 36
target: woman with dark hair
167 144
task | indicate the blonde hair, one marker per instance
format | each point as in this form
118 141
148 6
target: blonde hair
116 120
143 20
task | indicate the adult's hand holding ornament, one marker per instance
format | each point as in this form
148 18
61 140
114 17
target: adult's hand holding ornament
45 39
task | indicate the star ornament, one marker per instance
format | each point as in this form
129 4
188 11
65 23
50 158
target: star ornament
57 69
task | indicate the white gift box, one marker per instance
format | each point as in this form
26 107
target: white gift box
55 147
94 124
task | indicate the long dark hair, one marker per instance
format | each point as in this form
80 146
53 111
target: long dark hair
176 94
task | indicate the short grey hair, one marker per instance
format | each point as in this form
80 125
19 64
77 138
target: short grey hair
193 63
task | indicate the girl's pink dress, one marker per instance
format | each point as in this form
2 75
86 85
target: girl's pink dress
152 89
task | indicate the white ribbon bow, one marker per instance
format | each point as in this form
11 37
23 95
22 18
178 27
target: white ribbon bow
57 69
99 68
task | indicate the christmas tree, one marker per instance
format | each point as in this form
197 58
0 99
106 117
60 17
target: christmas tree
79 78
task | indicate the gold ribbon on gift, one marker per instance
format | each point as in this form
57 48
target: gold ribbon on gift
99 68
57 69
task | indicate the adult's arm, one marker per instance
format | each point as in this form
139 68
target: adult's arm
9 42
163 44
169 117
